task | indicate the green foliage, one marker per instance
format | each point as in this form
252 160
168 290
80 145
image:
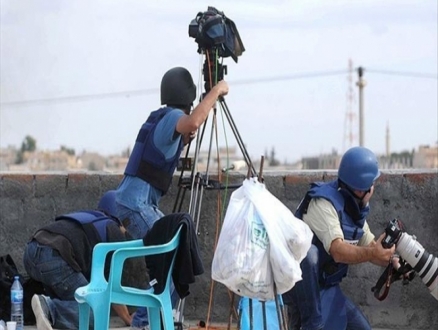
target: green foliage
28 144
69 151
19 157
272 160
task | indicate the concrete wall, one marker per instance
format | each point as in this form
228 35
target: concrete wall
29 201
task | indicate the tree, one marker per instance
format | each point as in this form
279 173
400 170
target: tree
126 152
19 158
69 151
28 144
272 160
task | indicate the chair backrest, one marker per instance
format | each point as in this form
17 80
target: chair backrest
122 254
171 246
100 252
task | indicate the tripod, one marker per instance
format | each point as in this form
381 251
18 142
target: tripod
197 182
213 71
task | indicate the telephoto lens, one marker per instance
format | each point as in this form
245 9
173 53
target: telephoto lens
424 263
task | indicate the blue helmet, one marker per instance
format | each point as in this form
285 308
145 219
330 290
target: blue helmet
107 203
359 168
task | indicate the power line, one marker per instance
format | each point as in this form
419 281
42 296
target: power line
405 74
81 98
152 91
289 77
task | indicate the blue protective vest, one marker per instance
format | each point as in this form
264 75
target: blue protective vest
352 220
147 162
94 224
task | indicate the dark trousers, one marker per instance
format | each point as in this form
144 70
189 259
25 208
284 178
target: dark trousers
312 308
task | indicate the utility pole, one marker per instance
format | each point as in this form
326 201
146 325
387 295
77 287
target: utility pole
350 129
361 84
388 141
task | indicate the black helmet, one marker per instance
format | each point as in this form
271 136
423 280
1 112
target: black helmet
177 87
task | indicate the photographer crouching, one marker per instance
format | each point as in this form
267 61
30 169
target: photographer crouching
336 211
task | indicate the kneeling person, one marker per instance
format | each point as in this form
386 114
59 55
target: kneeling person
59 255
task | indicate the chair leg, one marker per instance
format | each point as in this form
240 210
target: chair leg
166 311
84 316
101 315
154 318
168 319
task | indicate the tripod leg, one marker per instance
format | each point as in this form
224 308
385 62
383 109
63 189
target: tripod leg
213 72
197 192
248 161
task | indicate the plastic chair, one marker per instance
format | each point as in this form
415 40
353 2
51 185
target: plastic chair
99 293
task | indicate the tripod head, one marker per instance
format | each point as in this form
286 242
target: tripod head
213 71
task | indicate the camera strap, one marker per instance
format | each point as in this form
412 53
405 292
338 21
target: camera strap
384 281
390 275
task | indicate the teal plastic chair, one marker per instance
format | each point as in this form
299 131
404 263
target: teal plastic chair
99 294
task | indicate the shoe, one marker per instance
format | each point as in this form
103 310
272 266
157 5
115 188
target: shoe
137 328
41 311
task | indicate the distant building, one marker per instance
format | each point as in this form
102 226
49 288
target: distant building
322 162
395 161
223 159
426 157
116 164
7 157
45 161
92 161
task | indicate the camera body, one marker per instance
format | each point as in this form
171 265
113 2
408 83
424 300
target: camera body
208 29
212 30
393 232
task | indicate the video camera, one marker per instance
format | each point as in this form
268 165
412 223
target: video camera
407 246
213 30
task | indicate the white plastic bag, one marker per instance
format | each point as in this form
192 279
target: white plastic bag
261 242
241 260
290 238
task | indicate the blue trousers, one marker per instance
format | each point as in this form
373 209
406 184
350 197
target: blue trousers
45 265
313 308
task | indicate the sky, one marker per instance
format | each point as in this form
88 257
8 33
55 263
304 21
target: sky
85 74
